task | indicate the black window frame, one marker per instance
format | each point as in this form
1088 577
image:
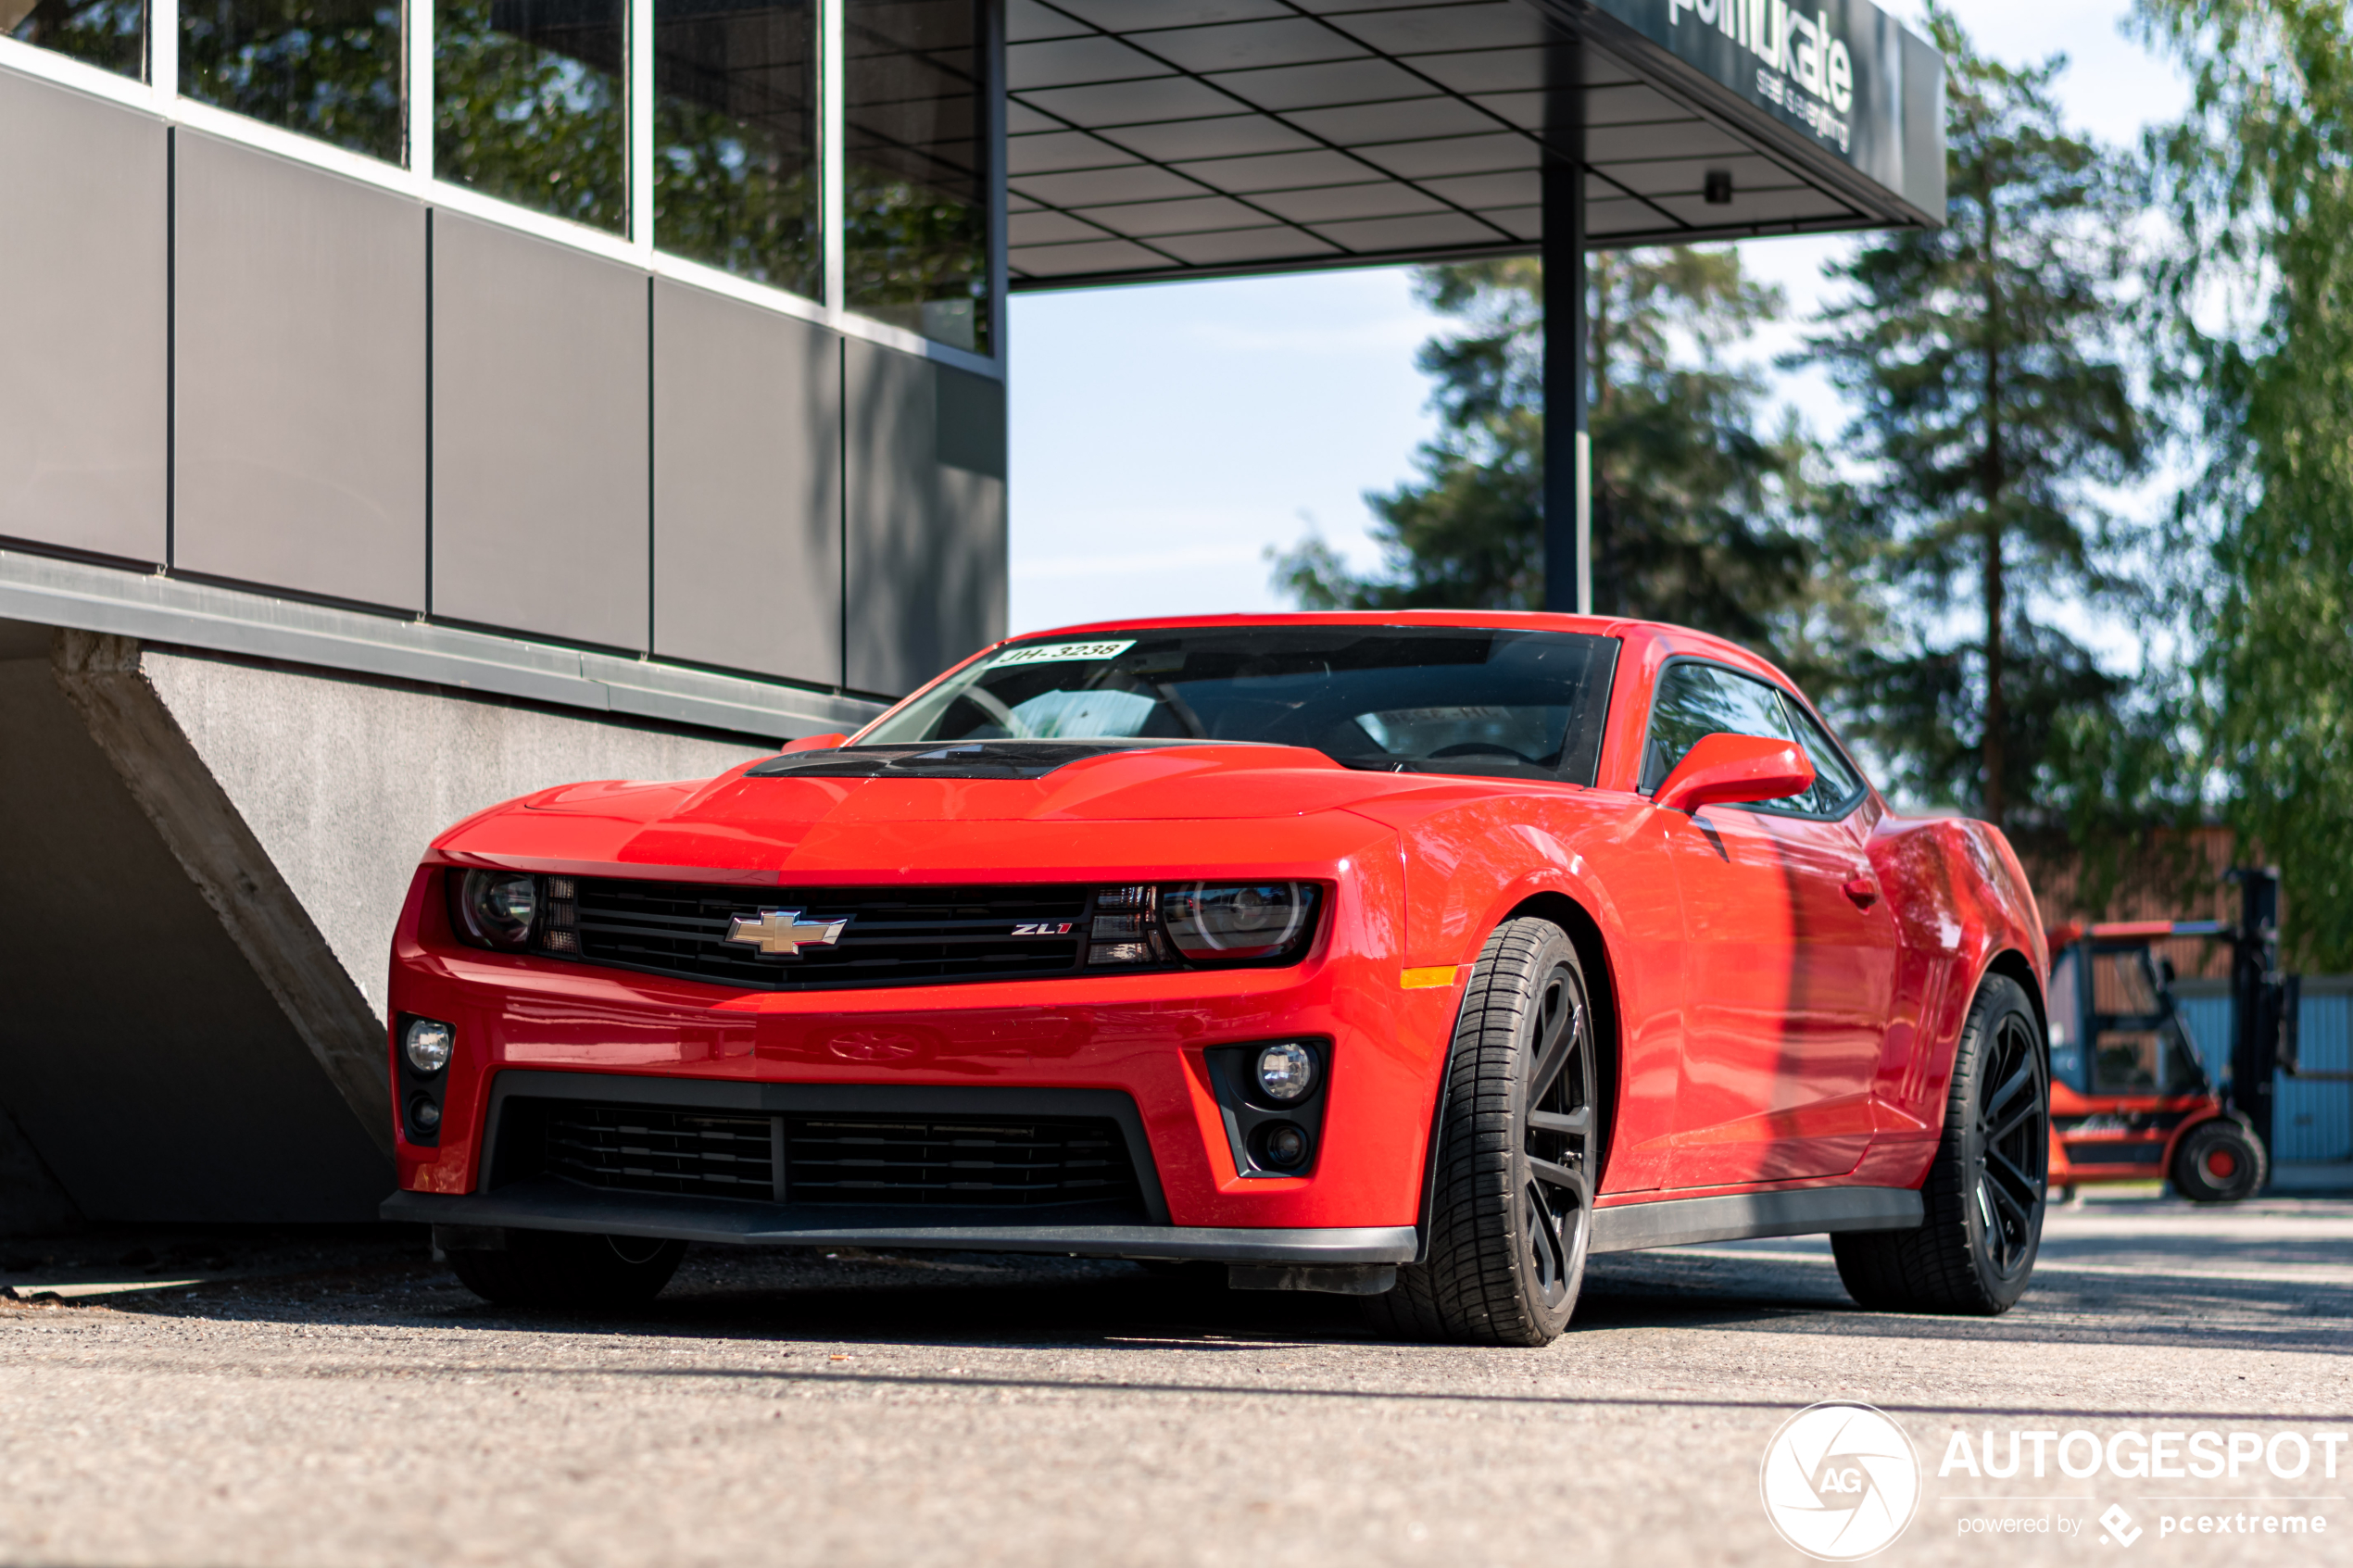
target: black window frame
1846 805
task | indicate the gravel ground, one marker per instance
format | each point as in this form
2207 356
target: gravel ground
332 1399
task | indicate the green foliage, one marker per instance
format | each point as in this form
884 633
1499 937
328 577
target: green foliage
1699 516
730 194
109 33
2259 178
908 245
329 69
526 123
1993 400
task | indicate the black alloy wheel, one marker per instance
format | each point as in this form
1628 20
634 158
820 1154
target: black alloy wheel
1987 1192
1517 1154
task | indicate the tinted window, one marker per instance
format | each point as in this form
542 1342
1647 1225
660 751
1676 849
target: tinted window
329 69
735 138
112 33
915 186
530 104
1697 700
1405 699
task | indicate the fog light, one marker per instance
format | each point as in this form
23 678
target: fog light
1283 1147
424 1114
1286 1072
428 1044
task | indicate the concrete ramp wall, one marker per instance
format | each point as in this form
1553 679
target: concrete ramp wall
201 861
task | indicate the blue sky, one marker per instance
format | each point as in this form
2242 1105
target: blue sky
1163 437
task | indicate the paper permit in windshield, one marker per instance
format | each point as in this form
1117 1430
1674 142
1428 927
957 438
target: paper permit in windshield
1055 653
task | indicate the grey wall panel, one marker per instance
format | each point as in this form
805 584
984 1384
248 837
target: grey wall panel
746 487
300 451
84 269
926 538
541 447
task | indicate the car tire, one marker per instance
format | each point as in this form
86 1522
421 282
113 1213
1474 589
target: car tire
565 1268
1516 1155
2219 1162
1986 1193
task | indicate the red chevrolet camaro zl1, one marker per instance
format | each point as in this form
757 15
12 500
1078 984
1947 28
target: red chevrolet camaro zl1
1414 956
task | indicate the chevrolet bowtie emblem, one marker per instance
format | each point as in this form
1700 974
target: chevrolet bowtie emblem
780 934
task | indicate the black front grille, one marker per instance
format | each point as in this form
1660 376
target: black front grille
1025 1162
640 1148
890 935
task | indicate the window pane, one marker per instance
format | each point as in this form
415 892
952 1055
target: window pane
112 33
1835 784
735 138
1697 700
916 192
329 69
531 103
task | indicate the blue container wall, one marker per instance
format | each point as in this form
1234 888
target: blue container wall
2310 1120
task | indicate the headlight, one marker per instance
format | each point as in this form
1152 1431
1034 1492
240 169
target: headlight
1144 926
514 911
1237 923
1286 1072
428 1045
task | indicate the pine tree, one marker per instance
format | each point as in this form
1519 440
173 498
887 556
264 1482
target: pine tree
2257 178
1700 518
1986 361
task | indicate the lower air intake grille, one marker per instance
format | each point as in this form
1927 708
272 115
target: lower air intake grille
632 1149
1026 1164
962 1162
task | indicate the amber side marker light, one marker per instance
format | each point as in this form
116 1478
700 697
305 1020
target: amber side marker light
1430 979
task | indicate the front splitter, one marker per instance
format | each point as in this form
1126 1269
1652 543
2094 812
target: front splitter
551 1205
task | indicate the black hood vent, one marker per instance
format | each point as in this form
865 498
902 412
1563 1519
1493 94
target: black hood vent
940 759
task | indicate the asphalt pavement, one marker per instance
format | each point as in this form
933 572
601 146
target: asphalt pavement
332 1399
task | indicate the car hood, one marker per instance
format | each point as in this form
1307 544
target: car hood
1187 804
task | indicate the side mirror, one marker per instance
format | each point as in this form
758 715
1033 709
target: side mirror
813 743
1731 769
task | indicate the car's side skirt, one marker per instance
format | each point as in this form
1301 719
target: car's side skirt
1680 1222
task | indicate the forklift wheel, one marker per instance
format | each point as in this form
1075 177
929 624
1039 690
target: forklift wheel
2219 1162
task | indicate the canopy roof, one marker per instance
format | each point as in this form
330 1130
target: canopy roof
1163 139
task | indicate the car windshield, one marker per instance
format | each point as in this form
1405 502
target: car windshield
1436 699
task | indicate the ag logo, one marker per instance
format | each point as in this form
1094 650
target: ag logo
1840 1482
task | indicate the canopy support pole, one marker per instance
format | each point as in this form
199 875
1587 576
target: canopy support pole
1568 447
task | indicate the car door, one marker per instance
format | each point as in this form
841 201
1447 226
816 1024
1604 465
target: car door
1790 950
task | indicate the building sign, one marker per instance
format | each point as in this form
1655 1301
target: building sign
1834 68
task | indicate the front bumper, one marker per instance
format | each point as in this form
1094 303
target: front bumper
1151 1040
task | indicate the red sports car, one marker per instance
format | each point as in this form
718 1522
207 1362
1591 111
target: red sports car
1411 956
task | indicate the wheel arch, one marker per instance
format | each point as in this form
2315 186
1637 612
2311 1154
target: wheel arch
1592 955
2015 965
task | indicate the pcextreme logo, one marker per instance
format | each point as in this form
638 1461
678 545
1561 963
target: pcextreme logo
1840 1482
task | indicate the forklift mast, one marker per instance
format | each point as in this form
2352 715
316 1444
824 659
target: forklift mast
2264 1000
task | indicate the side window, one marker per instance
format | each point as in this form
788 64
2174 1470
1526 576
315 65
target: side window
1836 783
1694 700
